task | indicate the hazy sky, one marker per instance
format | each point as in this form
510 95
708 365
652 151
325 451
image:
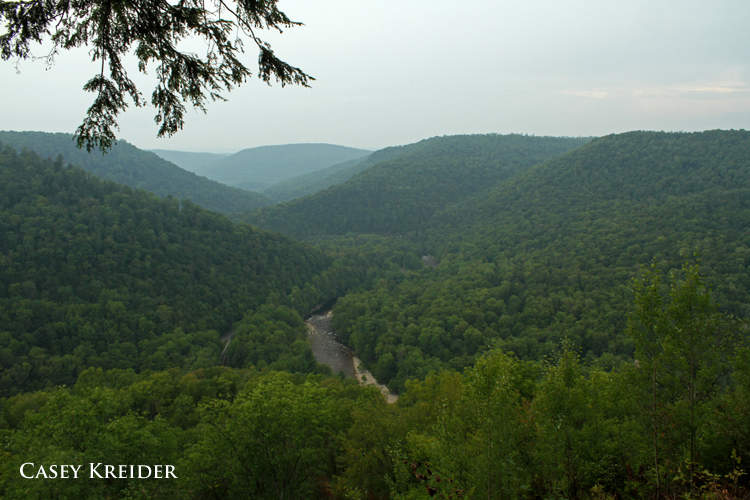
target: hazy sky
394 72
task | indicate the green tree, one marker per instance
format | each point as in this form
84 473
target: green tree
495 391
683 348
563 410
94 426
153 30
698 348
275 441
647 329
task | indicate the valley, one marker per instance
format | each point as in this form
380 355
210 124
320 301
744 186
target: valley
374 250
494 316
330 351
263 168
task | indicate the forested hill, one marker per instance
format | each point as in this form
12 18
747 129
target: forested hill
630 188
96 274
399 195
259 167
126 164
550 254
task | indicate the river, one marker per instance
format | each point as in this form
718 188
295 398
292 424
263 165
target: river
329 350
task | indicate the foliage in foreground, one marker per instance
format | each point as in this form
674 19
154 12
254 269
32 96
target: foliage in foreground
152 29
505 429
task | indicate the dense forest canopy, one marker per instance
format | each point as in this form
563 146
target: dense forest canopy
504 428
399 193
580 330
549 254
126 164
302 185
96 274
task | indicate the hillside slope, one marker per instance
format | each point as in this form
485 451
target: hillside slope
549 254
136 168
405 187
256 168
93 273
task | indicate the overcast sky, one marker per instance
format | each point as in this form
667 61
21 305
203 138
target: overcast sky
392 72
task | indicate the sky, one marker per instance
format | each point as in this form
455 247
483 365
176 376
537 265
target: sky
391 72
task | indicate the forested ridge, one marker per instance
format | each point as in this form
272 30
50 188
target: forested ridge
96 274
192 162
399 195
302 185
126 164
550 253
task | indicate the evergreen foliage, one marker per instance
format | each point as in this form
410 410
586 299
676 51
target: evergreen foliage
153 30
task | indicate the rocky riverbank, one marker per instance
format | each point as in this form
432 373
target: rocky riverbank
329 350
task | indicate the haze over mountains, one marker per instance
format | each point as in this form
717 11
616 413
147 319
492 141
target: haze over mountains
404 187
258 168
302 185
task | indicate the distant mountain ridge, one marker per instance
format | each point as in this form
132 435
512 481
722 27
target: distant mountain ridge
405 186
260 167
126 164
313 182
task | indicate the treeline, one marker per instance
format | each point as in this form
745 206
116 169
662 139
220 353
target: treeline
399 195
126 164
660 427
549 253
